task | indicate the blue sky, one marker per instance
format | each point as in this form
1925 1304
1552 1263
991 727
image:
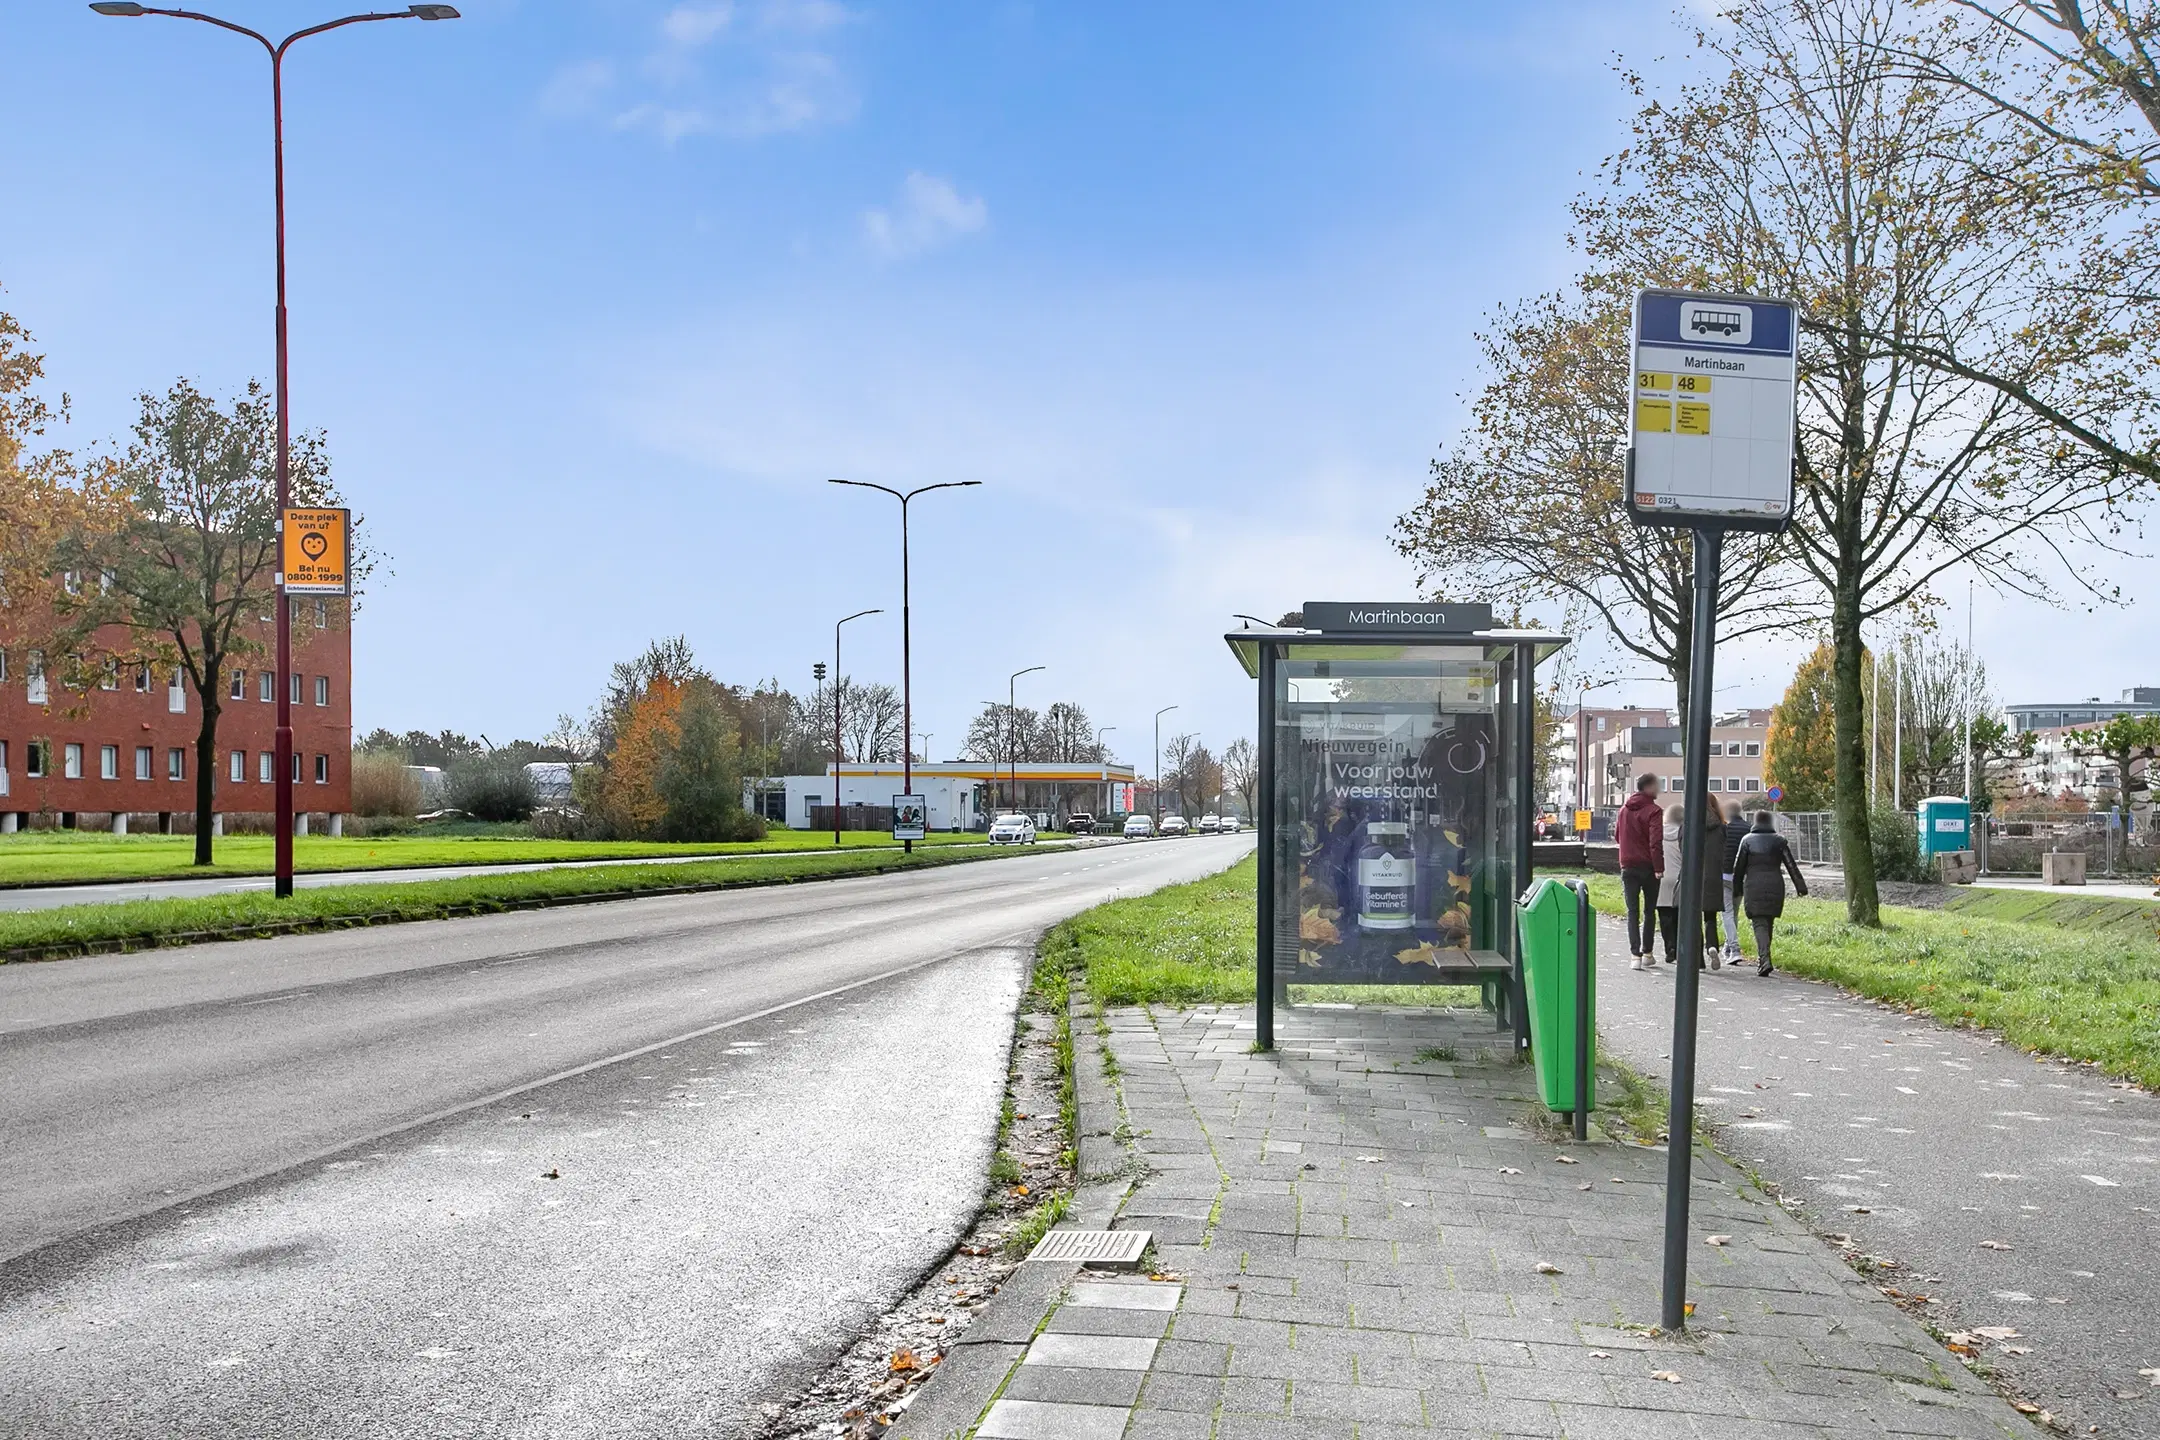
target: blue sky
591 296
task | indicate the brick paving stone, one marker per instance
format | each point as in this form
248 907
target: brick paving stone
1075 1387
1038 1420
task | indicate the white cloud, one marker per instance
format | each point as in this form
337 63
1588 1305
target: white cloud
690 26
718 67
929 213
576 89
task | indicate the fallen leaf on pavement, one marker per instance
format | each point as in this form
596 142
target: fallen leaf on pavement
2026 1407
1960 1337
1670 1377
1719 1240
1599 1355
551 1174
1567 1159
1688 1308
1509 1170
1993 1245
903 1359
1368 1159
1584 1186
1546 1267
2152 1375
1859 1209
2017 1349
1997 1332
1020 1190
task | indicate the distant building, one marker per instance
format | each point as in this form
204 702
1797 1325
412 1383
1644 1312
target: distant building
123 747
1615 762
2137 700
963 794
2058 764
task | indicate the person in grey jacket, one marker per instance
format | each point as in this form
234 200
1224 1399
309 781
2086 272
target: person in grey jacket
1736 829
1759 871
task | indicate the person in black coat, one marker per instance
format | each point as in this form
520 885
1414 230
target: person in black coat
1759 870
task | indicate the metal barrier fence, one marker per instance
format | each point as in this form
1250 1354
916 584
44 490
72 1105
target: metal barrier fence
2006 847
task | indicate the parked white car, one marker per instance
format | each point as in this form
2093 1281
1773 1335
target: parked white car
1229 825
1209 824
1139 827
1012 829
1174 825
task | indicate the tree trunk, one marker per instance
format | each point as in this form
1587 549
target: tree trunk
206 766
1862 905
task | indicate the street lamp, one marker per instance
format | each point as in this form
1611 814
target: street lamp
836 716
1158 762
907 695
1012 729
284 745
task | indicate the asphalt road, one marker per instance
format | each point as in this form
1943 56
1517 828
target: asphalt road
1921 1143
51 897
618 1171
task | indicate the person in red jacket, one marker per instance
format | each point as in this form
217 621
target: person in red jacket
1641 833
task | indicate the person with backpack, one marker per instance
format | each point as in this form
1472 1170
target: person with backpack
1642 860
1759 871
1736 829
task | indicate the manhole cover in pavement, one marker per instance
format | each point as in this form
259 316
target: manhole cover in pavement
1110 1249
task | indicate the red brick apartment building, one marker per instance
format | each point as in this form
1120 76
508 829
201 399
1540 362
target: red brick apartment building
124 750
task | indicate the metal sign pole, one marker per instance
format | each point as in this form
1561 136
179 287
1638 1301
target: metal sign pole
1267 818
1695 766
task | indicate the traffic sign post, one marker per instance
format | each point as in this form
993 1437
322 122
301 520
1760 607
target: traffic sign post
1711 450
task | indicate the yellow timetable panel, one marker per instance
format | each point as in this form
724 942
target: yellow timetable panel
1693 417
1653 380
1695 384
1653 416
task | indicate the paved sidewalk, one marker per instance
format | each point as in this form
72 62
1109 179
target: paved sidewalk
1375 1245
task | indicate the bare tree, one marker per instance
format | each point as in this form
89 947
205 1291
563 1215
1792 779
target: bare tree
1241 771
1822 168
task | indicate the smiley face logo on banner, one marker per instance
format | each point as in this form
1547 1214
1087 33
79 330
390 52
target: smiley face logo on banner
314 545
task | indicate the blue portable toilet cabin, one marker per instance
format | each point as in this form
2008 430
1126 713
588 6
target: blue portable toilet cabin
1945 824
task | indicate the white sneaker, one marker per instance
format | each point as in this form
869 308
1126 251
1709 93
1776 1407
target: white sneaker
1635 962
1717 960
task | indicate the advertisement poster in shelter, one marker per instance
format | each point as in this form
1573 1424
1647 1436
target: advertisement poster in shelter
910 817
1396 814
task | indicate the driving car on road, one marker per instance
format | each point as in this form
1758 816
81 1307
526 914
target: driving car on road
1138 827
1229 825
1174 825
1080 823
1012 829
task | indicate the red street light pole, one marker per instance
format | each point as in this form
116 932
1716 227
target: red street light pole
907 694
836 716
284 745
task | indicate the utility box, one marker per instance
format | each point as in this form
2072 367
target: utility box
1553 923
1945 824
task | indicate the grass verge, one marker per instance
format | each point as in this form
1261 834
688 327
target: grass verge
1192 944
141 924
68 857
2090 993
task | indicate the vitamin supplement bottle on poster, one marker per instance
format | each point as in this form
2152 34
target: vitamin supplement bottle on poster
1386 873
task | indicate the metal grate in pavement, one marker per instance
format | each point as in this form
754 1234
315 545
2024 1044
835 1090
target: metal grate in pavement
1105 1249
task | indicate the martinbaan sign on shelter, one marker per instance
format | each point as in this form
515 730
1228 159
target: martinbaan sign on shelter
1396 617
1712 433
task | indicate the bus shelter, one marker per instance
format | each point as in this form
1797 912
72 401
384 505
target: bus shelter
1397 788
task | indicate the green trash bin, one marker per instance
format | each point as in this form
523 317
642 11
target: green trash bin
1547 918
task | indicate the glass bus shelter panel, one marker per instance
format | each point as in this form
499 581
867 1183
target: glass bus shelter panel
1395 772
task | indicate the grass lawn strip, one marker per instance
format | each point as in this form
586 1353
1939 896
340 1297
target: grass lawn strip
2108 914
1192 944
141 924
2090 993
77 857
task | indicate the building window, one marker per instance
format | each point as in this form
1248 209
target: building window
176 694
238 688
264 768
296 767
34 675
110 680
1678 782
71 763
3 665
1754 748
1601 724
142 679
1753 784
108 762
176 764
238 767
1714 783
1717 747
295 687
322 769
35 759
322 614
322 689
144 758
268 689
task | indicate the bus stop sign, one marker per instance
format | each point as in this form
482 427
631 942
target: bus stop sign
1711 440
